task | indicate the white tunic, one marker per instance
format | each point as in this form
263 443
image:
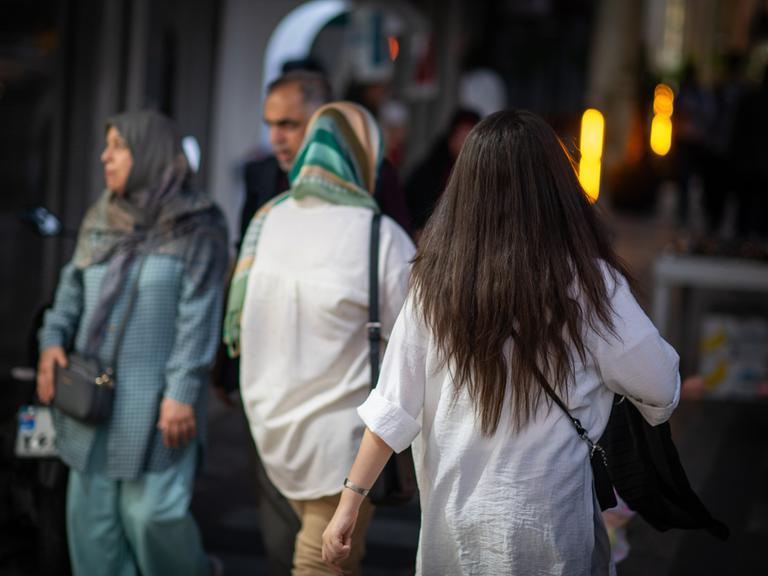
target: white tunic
304 365
514 503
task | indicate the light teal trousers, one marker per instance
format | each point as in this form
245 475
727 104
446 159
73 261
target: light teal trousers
126 528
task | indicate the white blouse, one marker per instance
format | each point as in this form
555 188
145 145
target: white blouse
515 502
304 366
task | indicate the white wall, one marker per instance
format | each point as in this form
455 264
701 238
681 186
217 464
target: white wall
246 27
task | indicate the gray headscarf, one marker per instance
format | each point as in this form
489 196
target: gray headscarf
158 212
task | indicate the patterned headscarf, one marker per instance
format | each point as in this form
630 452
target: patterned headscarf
158 207
338 162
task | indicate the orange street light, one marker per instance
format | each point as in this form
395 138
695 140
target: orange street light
661 125
661 134
394 47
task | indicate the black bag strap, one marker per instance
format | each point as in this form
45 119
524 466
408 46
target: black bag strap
110 369
374 325
580 430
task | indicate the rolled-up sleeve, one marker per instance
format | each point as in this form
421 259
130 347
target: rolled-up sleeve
637 362
62 319
393 409
389 421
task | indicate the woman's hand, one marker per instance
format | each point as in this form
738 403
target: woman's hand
337 538
177 423
369 462
45 372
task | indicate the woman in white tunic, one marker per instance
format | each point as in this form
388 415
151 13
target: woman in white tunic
513 286
298 307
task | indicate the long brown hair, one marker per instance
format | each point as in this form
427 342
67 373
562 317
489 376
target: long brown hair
513 253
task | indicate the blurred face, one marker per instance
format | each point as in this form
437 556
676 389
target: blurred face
117 160
457 138
286 115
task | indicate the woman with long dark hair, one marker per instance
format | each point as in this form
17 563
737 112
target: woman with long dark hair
514 288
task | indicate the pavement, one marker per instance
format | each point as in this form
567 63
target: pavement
724 449
225 504
723 446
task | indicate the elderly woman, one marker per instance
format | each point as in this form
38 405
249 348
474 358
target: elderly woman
153 239
298 309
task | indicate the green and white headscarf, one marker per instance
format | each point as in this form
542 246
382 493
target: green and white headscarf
338 162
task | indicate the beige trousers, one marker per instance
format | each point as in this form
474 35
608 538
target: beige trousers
315 516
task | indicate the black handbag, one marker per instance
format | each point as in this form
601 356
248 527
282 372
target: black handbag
396 485
645 469
641 462
85 390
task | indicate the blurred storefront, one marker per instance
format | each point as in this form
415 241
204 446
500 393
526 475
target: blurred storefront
65 65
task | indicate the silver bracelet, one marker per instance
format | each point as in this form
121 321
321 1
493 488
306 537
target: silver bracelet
355 488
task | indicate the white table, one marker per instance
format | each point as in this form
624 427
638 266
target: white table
673 270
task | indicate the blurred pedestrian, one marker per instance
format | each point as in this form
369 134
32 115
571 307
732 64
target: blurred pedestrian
394 120
750 129
721 170
297 315
694 118
514 290
131 477
429 178
291 100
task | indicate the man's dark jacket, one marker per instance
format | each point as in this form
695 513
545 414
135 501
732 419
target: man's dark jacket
264 179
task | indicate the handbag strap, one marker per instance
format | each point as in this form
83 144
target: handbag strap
110 370
580 430
374 325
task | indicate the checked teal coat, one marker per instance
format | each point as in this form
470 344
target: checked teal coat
168 347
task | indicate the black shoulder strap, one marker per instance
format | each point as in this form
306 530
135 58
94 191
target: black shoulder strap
580 430
374 325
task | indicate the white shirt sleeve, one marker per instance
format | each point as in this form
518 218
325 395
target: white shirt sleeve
635 361
396 253
393 408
